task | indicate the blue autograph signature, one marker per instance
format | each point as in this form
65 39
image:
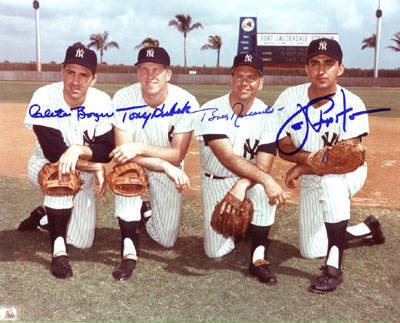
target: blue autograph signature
303 111
135 112
35 112
81 114
156 113
232 116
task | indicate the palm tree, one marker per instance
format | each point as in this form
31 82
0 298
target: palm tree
396 39
369 42
148 42
100 42
214 42
184 25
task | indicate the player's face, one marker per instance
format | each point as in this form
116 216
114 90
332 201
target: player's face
77 80
154 78
323 72
246 81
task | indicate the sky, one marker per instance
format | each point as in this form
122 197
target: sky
130 21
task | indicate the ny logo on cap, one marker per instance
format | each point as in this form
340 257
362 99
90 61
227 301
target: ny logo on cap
150 53
79 53
248 58
322 45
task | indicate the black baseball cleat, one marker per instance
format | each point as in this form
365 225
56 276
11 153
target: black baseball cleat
145 211
260 269
377 235
60 267
329 279
124 270
33 221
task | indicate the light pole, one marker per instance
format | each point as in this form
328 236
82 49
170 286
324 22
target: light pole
38 59
378 37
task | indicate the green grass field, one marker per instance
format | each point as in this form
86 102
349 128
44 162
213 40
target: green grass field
181 284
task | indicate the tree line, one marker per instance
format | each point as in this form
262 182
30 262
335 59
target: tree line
183 24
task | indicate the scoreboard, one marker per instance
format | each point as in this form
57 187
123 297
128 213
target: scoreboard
286 49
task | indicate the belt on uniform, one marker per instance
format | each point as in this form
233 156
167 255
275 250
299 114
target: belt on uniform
214 176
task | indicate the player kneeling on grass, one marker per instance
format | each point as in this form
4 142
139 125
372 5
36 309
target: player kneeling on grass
73 145
325 195
159 144
237 149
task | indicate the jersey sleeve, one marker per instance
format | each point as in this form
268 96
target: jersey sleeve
211 137
120 119
267 148
270 128
42 106
185 122
104 106
51 141
356 123
212 119
102 146
281 111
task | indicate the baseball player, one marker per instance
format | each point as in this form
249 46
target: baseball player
72 124
324 200
237 149
153 129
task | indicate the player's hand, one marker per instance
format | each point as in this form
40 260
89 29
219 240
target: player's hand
99 183
68 160
238 190
295 172
125 152
292 175
177 175
274 192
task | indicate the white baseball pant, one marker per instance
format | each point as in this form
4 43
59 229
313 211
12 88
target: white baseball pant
325 199
213 191
81 227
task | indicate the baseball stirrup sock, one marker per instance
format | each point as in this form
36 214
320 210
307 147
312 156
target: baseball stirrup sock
128 232
44 220
59 247
360 230
129 250
58 222
336 242
259 238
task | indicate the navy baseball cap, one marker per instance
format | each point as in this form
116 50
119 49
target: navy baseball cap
248 59
82 56
154 55
325 46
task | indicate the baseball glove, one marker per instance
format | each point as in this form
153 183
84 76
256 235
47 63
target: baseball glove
340 159
51 185
128 179
232 224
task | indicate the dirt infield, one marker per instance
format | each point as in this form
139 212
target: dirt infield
383 156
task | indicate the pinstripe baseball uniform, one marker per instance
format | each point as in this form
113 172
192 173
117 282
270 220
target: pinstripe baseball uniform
165 199
252 132
81 228
323 198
